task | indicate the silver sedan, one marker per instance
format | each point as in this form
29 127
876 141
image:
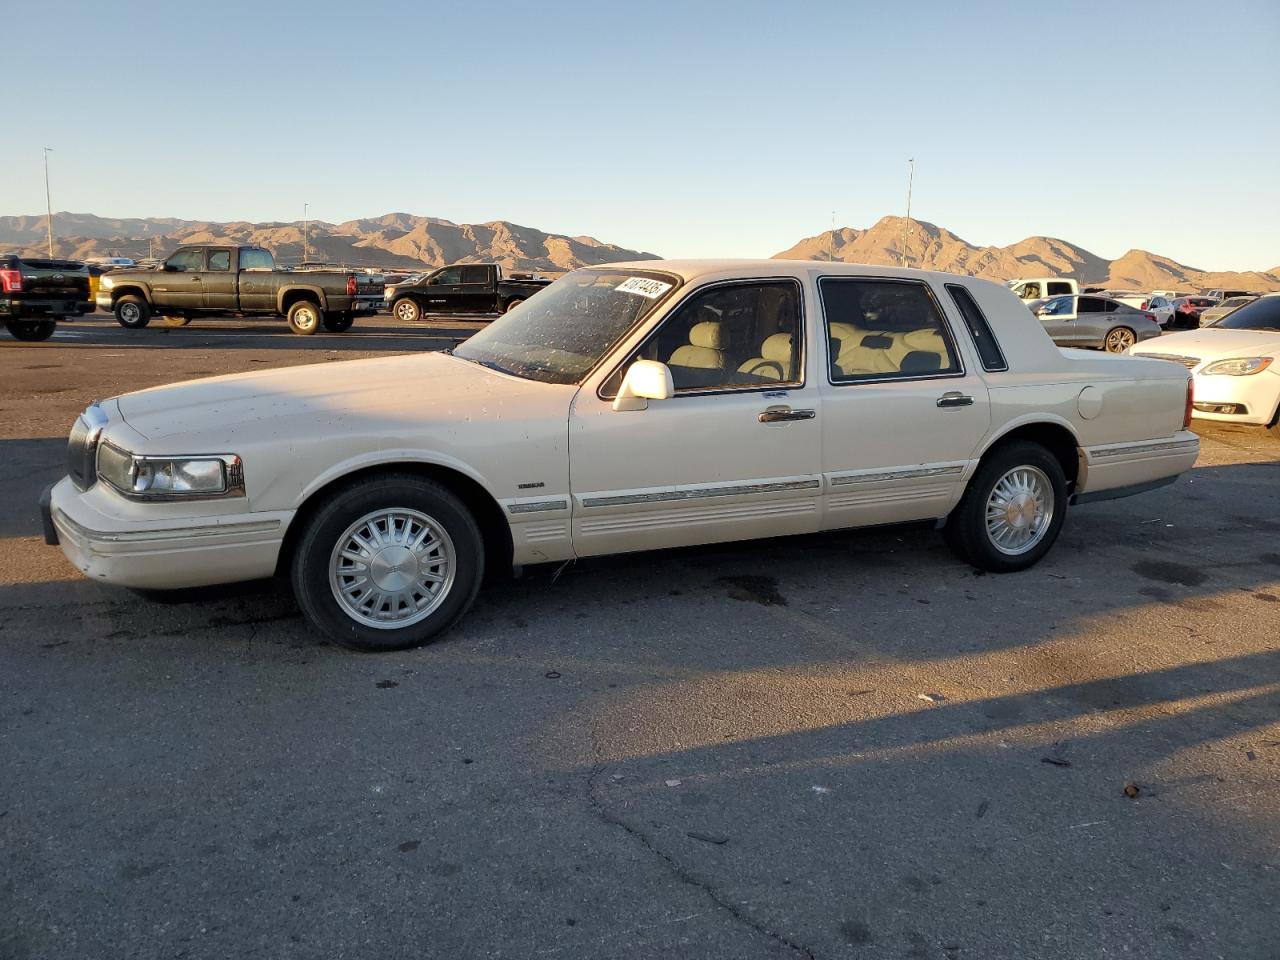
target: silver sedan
1098 322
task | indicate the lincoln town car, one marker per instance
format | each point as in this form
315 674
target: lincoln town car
626 407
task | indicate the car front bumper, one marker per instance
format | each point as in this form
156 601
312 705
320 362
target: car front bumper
41 309
159 554
1251 400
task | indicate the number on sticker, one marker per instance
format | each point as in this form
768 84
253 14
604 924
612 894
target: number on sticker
644 287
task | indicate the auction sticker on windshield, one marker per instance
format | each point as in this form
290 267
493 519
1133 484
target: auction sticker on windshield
643 286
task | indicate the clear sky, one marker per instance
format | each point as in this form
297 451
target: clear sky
686 129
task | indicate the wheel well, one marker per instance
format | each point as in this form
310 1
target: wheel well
118 292
494 528
1057 439
295 296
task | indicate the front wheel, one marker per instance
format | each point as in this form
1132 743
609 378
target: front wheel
1119 340
132 312
338 322
512 304
388 564
304 318
1012 511
406 310
31 330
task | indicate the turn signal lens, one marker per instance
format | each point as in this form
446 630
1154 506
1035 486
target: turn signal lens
1191 402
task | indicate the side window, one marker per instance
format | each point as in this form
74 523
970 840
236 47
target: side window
220 260
1056 308
251 259
884 328
449 275
1031 291
737 335
475 274
1090 305
1059 289
186 260
988 350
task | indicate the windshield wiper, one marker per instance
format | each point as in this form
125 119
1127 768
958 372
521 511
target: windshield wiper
488 364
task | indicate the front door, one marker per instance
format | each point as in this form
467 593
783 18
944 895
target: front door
1058 317
180 284
443 292
903 417
219 281
733 455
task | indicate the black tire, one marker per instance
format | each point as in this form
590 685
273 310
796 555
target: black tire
132 312
1119 339
338 322
406 310
966 530
305 317
31 330
176 321
350 506
512 304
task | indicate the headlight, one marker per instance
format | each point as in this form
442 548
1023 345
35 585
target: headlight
1239 367
170 478
106 283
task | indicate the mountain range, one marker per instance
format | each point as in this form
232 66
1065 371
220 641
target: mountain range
403 241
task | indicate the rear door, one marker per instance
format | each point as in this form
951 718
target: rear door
1093 320
478 291
904 412
220 280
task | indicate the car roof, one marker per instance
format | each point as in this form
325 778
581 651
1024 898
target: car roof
729 268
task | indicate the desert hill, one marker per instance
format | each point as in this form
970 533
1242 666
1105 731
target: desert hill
397 240
937 248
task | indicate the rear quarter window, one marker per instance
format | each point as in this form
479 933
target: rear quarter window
975 322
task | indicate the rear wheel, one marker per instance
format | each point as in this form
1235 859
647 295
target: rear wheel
1012 511
132 312
304 317
176 321
388 564
31 330
1119 340
406 310
512 304
338 322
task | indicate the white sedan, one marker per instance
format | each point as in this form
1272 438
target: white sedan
1235 363
627 407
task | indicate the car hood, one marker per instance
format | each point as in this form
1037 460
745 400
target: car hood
1213 344
422 387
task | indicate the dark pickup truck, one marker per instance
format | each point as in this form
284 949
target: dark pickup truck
217 280
461 288
36 294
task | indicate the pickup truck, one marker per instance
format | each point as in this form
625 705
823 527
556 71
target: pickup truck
461 288
36 294
217 280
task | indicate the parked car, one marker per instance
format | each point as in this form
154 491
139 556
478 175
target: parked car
1211 315
1042 288
461 288
626 407
1098 322
1130 298
1221 293
36 293
1160 307
221 280
95 281
1186 311
1235 363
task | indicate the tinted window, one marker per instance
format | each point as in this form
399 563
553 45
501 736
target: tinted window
979 329
1059 307
884 328
1056 289
1090 305
220 260
475 274
1260 314
733 335
448 275
185 260
256 260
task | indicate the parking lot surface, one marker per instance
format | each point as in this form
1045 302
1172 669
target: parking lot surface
838 746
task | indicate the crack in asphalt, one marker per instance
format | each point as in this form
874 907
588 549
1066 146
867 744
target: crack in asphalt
607 816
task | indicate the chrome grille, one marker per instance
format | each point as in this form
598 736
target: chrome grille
82 447
1187 362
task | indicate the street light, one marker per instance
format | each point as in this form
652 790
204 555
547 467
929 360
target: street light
906 224
48 204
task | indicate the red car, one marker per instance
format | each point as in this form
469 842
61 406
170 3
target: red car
1187 310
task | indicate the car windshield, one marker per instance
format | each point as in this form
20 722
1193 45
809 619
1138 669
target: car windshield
561 333
1261 314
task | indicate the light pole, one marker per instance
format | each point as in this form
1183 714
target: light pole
305 224
48 204
906 226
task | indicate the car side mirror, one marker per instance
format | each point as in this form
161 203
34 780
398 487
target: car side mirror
645 380
1041 312
168 269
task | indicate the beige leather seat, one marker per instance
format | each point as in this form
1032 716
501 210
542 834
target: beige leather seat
705 349
775 360
874 351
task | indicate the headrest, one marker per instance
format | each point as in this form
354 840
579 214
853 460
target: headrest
877 341
709 333
921 361
777 347
923 339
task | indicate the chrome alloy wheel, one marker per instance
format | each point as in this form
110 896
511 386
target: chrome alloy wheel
1119 340
130 312
406 311
1019 510
306 317
392 568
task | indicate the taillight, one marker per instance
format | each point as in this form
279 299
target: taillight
11 281
1145 304
1191 402
351 284
1150 316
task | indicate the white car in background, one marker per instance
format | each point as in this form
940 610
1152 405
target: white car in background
1235 364
1161 307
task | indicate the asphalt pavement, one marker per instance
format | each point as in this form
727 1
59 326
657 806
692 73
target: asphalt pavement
845 745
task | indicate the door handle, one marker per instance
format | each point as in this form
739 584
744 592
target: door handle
953 398
783 414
